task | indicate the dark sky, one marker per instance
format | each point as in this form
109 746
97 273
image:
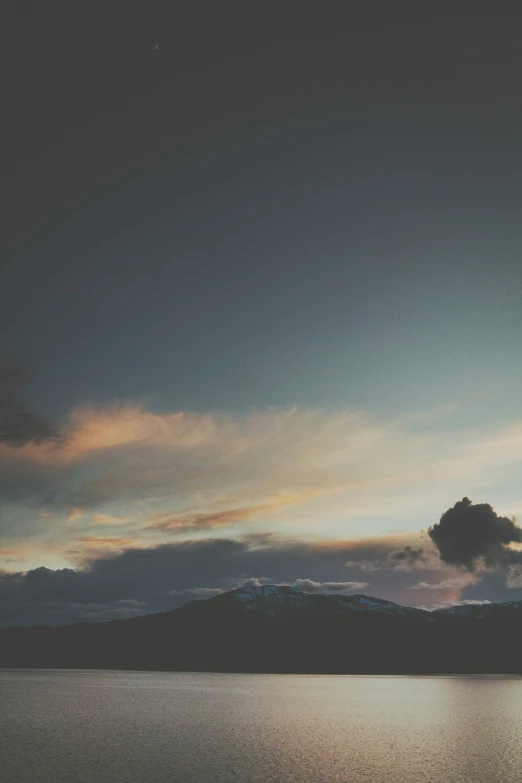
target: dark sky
309 205
290 185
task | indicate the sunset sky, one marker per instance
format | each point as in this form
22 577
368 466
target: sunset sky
261 301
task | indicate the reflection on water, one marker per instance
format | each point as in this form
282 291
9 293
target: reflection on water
114 727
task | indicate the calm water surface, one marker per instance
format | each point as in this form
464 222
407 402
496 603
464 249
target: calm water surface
114 727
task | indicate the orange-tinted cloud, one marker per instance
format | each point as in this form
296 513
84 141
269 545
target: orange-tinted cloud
185 523
191 522
85 548
108 520
110 569
316 473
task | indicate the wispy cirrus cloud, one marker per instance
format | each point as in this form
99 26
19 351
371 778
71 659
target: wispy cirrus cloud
107 454
314 473
225 517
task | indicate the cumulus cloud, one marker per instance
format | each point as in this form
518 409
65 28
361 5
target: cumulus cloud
469 535
255 582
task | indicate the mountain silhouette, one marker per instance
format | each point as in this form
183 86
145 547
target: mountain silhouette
281 629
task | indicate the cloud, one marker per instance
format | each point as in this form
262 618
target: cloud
302 473
129 453
184 523
493 585
109 520
18 424
364 565
430 607
468 535
114 569
255 582
84 548
409 557
166 576
514 578
458 582
309 586
191 522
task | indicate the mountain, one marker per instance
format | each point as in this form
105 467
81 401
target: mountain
481 611
281 629
274 600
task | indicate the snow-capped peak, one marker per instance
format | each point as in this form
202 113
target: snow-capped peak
257 596
271 599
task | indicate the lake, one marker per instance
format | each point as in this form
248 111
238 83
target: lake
148 727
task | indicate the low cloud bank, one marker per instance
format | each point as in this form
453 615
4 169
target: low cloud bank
139 581
165 577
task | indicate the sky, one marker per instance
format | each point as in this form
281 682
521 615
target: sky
261 303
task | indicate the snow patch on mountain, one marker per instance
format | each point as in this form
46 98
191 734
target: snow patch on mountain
478 609
273 598
259 597
276 599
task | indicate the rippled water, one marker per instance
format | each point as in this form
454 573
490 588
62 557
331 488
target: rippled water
114 727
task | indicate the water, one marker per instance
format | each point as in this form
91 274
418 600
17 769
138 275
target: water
119 727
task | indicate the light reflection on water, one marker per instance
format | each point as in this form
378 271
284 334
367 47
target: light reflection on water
141 727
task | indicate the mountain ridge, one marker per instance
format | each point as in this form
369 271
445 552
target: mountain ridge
278 628
268 597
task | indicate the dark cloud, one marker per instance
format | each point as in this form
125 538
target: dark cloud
408 557
18 424
168 576
22 479
468 534
112 584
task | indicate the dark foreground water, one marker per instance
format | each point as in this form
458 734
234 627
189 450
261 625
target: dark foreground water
119 727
